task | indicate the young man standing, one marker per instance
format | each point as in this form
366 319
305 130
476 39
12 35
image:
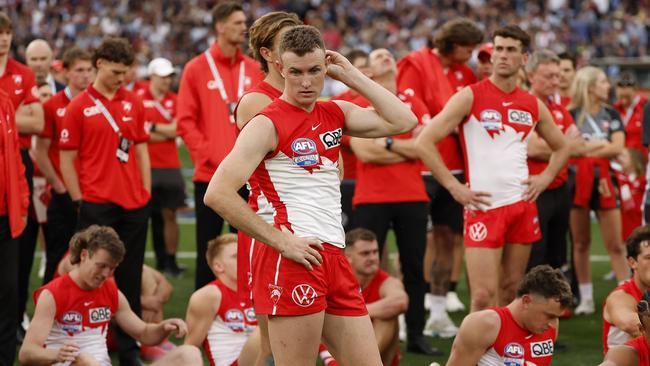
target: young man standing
104 130
384 295
567 74
300 276
500 213
211 85
61 213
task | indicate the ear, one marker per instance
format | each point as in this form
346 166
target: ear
217 266
84 255
526 299
525 59
266 54
631 261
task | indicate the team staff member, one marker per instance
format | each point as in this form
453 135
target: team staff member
104 129
594 187
629 104
167 185
434 75
61 213
211 85
384 295
521 333
38 56
500 213
401 204
620 321
554 204
14 201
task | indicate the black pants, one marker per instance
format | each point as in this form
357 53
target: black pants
409 221
27 241
553 207
62 223
8 293
208 226
158 237
131 226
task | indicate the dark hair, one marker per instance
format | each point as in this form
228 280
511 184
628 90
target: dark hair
513 31
643 307
40 83
215 246
547 282
460 31
222 11
71 55
634 242
265 29
568 56
95 238
358 234
114 49
626 79
355 55
301 40
5 22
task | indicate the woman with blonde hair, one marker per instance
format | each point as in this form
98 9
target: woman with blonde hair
594 187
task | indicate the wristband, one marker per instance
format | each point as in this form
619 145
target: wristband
389 143
153 128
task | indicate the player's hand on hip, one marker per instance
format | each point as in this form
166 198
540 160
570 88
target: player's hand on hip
337 65
472 200
175 325
535 185
302 250
68 352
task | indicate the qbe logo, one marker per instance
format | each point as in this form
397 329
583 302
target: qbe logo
99 315
331 138
542 349
520 117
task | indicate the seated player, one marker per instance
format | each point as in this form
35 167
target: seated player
521 333
635 352
384 295
216 319
73 311
620 320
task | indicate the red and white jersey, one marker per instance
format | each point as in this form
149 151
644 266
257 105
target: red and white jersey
495 138
231 327
613 335
82 316
300 178
516 346
640 345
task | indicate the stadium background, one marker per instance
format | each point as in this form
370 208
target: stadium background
612 34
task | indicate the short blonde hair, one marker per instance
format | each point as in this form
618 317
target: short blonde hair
215 246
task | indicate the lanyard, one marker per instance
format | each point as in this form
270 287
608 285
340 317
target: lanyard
219 82
165 113
107 115
630 110
68 93
594 126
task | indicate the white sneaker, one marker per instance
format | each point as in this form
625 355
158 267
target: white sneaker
453 302
586 307
402 327
610 276
440 325
428 300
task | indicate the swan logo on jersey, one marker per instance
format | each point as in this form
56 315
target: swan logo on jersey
99 315
542 349
513 355
276 292
303 295
304 152
520 117
491 120
478 231
331 138
71 322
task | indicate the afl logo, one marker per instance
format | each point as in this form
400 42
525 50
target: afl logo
491 119
71 317
234 315
304 152
477 231
513 350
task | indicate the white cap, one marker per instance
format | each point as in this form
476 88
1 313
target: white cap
161 67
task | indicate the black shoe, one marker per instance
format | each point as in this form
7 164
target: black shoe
420 345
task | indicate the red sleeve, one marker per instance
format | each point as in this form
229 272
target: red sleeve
175 109
188 111
23 187
141 133
408 77
29 82
48 112
420 110
71 128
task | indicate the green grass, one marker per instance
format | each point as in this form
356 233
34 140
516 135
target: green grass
581 335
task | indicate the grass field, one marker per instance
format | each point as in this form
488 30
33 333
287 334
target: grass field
580 335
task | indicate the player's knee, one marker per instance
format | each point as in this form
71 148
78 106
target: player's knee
483 297
581 246
188 355
615 247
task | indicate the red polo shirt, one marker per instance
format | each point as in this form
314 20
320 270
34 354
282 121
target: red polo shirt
633 121
392 183
54 110
204 120
102 177
162 154
19 83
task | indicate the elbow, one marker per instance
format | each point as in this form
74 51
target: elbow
23 356
214 198
409 122
402 304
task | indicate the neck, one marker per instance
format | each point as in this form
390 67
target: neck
364 280
156 92
594 105
227 49
3 63
74 91
516 310
506 84
307 108
565 92
639 284
387 81
444 60
542 97
103 90
228 282
274 79
76 277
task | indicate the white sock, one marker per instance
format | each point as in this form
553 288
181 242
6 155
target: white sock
586 291
438 305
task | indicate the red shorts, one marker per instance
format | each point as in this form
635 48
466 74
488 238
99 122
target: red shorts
516 223
245 247
284 287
